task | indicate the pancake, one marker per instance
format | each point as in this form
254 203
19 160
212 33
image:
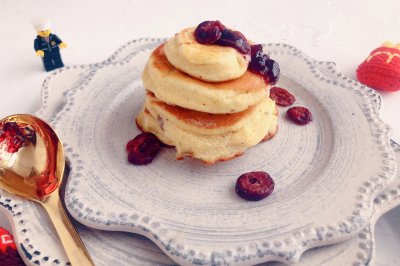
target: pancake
177 88
206 62
208 137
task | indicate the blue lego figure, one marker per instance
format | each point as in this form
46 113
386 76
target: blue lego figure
47 45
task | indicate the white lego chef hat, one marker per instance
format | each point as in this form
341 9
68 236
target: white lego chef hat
40 23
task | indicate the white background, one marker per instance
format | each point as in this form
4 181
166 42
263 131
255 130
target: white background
340 31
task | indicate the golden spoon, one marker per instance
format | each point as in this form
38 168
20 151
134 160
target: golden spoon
35 172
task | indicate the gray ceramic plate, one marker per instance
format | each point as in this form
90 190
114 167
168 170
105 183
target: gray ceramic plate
143 251
326 173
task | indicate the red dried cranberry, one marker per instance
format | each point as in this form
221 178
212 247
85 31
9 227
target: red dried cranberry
256 50
11 129
208 32
15 143
272 71
281 96
234 39
143 148
299 115
258 64
2 135
254 185
261 64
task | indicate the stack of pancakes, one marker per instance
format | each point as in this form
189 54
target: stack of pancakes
203 100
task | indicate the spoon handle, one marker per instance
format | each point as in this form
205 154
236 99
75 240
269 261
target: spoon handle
73 245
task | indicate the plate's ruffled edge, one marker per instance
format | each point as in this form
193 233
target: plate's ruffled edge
339 75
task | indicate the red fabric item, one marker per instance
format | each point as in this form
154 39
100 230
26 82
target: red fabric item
9 255
381 70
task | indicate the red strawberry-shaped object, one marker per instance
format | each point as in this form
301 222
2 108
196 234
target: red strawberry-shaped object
381 69
8 251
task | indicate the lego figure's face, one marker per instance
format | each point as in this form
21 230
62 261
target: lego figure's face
44 33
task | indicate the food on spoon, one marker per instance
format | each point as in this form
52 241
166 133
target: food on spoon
19 148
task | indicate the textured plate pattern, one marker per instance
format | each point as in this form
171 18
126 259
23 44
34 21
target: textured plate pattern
323 196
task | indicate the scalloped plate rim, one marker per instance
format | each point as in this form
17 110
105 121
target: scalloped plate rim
107 61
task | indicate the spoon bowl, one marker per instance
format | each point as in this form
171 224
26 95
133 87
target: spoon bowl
32 163
48 149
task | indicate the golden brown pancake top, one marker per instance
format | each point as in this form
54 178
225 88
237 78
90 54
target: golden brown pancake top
248 82
201 119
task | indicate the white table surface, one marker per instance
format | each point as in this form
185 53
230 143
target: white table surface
340 31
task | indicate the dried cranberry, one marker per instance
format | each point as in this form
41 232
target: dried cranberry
272 71
258 64
281 96
2 135
254 185
143 148
299 115
11 129
263 65
208 32
234 39
15 136
15 143
256 50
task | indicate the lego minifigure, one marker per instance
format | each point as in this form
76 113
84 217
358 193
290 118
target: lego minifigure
47 45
